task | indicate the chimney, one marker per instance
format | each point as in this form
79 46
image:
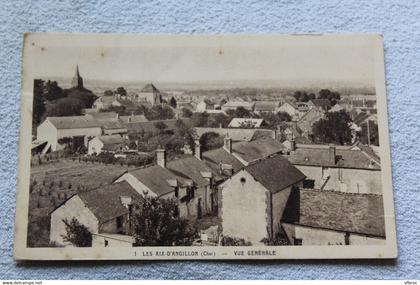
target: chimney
161 157
332 154
197 149
228 144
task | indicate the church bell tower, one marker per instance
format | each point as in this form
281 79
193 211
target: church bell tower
77 80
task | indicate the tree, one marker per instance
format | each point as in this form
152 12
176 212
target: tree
211 140
297 95
52 91
272 120
77 234
335 128
161 126
65 107
157 223
121 91
218 120
172 102
108 93
186 113
284 117
241 112
333 97
159 112
305 97
38 107
200 119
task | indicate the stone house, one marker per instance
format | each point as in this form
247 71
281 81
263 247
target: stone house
107 143
77 127
187 179
105 211
338 168
314 217
254 198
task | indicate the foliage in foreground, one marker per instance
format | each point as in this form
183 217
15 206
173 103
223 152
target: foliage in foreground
157 223
77 234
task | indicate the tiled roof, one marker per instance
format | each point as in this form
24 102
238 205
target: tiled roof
149 88
321 157
128 104
239 122
321 102
266 106
192 168
260 148
214 158
348 212
103 115
275 173
74 122
110 124
105 202
133 119
156 178
149 126
235 104
112 139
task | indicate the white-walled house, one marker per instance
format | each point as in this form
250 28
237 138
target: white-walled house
315 217
187 179
338 168
289 108
111 143
55 128
104 211
254 198
204 105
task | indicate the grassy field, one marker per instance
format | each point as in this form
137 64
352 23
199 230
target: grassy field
54 182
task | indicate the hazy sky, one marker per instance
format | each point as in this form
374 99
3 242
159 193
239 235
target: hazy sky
184 59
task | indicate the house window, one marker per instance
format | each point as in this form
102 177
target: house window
309 184
120 221
297 241
243 180
105 243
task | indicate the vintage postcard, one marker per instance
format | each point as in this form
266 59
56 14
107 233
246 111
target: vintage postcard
204 147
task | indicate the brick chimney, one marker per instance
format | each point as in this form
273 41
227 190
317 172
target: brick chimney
197 149
161 157
228 144
332 154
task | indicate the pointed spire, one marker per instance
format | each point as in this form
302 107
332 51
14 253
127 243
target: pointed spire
77 80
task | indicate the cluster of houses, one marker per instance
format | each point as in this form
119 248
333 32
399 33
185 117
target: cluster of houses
316 195
260 184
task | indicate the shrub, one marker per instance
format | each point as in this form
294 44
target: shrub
234 241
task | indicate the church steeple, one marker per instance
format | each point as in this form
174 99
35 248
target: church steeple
77 80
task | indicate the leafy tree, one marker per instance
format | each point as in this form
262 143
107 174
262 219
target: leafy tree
52 91
284 117
161 126
218 120
172 102
157 223
335 128
121 91
186 113
305 97
311 96
200 119
38 108
241 112
234 241
77 234
333 97
210 141
297 95
159 112
65 107
272 120
373 133
108 93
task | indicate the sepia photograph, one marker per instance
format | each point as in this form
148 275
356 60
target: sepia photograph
204 147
